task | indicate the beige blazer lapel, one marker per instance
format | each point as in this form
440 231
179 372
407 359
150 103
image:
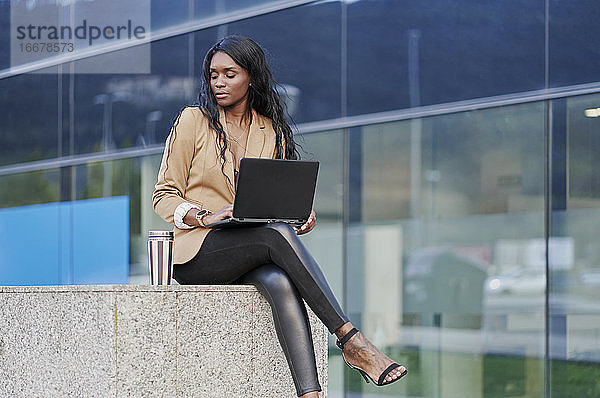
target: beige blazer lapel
260 143
228 156
256 137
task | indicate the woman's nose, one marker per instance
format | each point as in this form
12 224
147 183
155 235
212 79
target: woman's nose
219 82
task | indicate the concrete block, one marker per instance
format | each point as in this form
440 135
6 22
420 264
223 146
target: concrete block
144 341
87 344
215 344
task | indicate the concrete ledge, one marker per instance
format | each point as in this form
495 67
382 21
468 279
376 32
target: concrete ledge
144 341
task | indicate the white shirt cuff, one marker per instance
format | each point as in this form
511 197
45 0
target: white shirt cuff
180 213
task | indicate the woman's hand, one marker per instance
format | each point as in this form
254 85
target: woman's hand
225 212
308 225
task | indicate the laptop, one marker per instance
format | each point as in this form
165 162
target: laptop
272 190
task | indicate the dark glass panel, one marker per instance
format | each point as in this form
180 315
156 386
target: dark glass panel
114 111
29 118
574 53
410 53
303 48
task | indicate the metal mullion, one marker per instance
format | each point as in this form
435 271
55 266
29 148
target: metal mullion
336 124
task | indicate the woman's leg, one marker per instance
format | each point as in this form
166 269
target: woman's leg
227 254
291 324
358 351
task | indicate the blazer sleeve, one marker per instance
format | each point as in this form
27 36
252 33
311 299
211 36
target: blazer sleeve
175 166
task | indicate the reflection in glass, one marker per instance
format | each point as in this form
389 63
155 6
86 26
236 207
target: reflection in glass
133 178
574 258
29 188
325 242
403 54
165 16
29 128
571 53
124 111
311 71
446 266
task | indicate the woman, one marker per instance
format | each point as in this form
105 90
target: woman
240 115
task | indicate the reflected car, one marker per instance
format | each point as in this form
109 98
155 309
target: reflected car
523 282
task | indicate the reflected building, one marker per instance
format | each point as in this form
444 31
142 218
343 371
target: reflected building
457 195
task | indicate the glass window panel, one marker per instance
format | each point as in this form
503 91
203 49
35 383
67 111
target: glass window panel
29 188
149 220
115 178
4 32
405 53
310 71
446 253
325 242
574 257
73 28
164 15
29 118
476 162
30 235
133 178
583 141
573 53
126 110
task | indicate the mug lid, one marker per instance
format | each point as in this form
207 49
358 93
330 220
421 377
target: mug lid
160 234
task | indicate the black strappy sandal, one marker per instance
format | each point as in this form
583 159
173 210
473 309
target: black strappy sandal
381 382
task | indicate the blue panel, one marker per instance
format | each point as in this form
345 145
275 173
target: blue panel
65 262
82 242
29 245
101 240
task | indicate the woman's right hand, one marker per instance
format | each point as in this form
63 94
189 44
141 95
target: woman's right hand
225 212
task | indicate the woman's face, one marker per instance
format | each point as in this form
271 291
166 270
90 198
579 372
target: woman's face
228 81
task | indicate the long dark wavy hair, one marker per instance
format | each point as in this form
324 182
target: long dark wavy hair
262 94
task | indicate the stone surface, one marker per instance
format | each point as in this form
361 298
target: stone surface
205 358
87 344
144 341
34 357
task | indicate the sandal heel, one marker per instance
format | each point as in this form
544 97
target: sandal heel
381 382
364 375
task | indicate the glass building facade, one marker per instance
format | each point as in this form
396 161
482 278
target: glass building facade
458 189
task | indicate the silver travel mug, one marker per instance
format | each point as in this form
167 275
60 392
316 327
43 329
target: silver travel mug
160 257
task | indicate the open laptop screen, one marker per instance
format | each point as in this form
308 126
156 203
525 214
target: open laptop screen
275 189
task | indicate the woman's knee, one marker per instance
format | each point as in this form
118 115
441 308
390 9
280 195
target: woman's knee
274 281
285 230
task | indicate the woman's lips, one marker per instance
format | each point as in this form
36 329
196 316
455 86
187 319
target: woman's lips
221 95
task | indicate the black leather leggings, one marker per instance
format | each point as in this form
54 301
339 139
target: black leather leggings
272 258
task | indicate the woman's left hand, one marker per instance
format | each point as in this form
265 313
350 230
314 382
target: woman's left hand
308 225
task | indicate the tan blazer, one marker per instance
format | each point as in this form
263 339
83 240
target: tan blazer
190 171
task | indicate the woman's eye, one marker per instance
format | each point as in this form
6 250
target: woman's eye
231 76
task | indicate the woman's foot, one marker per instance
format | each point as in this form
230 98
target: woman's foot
359 352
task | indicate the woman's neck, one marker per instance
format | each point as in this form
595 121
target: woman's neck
238 115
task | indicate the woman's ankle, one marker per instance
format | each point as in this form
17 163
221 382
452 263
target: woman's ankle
345 328
312 394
